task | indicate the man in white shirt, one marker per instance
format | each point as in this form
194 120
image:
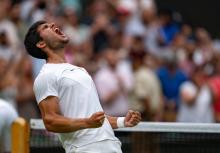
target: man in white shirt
68 99
7 115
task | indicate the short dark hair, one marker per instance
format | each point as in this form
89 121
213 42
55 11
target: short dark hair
32 38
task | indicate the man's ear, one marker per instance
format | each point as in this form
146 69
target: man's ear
41 44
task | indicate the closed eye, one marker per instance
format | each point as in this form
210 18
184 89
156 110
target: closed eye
45 26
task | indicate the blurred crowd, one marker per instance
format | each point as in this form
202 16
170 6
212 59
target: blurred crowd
140 57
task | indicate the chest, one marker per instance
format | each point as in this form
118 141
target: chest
75 77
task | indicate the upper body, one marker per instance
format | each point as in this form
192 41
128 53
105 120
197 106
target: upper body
171 82
107 82
198 111
146 86
77 99
113 82
66 94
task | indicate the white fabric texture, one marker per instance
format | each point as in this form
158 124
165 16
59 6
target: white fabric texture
78 99
106 146
121 122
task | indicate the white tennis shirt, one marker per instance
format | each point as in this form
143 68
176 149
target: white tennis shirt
78 98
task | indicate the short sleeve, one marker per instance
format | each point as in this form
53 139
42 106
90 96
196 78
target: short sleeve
44 86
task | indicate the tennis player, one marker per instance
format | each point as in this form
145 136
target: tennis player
68 99
7 115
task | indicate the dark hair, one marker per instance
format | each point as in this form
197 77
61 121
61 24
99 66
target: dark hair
31 39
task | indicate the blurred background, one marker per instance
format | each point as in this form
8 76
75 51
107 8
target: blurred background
161 58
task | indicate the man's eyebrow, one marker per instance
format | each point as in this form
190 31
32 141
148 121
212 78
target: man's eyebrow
42 26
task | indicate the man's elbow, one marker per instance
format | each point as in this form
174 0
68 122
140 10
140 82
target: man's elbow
49 123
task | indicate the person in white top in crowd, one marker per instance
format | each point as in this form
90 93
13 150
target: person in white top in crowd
113 82
68 99
196 104
7 115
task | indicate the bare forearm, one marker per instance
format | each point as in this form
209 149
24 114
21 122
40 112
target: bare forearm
112 121
63 124
131 119
54 121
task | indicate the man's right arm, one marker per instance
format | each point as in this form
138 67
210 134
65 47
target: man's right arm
55 122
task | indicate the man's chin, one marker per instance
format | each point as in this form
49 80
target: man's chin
65 40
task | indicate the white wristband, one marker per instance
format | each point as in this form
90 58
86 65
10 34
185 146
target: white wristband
120 122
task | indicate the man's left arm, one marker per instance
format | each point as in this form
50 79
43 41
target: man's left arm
131 119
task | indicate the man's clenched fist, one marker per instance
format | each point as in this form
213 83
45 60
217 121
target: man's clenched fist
132 118
96 120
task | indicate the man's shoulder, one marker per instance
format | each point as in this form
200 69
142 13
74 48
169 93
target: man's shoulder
53 72
50 71
45 77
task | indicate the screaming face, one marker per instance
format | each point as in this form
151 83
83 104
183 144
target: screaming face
52 35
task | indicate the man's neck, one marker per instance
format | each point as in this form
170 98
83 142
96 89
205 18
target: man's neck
57 57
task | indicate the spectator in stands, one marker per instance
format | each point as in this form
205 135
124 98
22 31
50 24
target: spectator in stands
188 94
146 96
102 31
7 26
16 19
204 51
196 102
8 75
214 88
171 77
169 28
8 114
26 104
113 85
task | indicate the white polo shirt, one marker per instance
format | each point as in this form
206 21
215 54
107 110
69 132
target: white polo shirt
78 98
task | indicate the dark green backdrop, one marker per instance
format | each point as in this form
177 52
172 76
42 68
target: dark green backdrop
205 13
